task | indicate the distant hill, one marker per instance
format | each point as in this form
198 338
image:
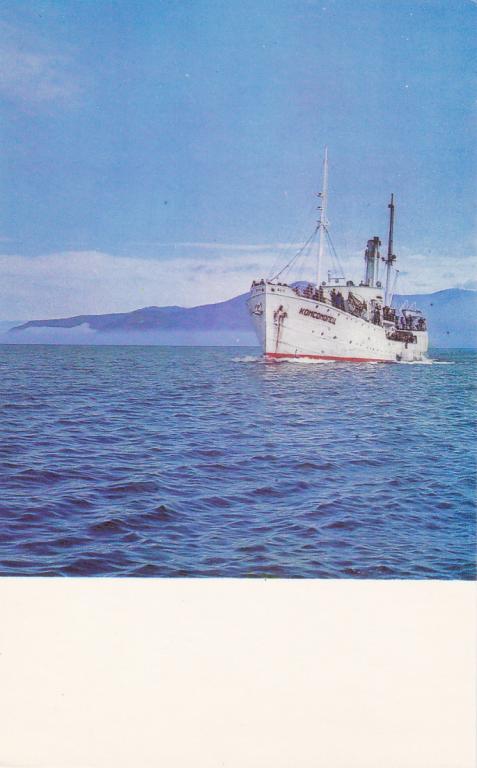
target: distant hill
5 325
224 323
452 318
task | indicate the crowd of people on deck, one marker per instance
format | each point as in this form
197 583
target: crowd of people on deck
402 322
376 316
315 294
409 323
337 300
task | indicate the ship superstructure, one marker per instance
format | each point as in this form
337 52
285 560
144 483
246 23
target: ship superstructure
336 319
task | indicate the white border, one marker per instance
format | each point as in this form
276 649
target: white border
100 673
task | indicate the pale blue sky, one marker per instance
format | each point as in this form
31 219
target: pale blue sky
130 129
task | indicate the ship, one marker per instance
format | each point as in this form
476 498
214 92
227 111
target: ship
338 319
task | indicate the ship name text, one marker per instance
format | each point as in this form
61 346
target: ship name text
317 315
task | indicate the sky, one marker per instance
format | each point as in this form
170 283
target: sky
163 152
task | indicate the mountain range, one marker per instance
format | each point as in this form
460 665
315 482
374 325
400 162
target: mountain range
451 314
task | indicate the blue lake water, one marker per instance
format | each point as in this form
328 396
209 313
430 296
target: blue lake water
161 461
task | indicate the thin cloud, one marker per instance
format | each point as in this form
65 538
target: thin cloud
222 246
93 282
241 246
33 75
470 285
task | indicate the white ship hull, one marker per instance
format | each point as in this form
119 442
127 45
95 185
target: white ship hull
289 325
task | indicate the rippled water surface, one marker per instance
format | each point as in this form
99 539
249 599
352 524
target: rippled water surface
155 461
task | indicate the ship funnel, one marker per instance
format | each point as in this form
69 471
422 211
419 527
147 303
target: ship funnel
371 260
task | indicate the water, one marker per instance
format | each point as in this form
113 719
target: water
156 461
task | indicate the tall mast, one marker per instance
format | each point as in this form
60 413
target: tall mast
323 222
390 257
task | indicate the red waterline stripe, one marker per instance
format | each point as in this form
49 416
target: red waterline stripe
330 357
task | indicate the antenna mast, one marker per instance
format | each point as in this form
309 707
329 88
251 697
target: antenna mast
323 222
391 258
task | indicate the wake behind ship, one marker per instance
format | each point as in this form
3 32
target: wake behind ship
336 319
